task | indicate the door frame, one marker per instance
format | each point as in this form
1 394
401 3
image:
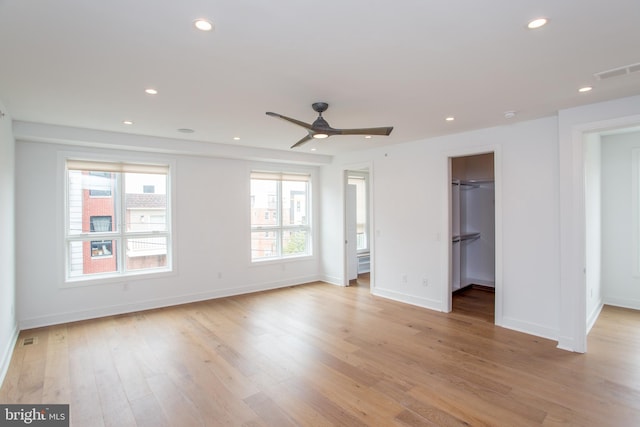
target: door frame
447 226
368 167
573 281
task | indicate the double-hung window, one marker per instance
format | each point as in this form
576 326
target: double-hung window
280 215
117 219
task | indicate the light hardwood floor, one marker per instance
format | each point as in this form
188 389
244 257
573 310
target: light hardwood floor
321 355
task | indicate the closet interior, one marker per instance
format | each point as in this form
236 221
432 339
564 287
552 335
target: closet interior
473 222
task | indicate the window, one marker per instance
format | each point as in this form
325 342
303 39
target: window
114 225
287 231
100 247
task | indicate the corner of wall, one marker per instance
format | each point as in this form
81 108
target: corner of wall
8 318
7 352
593 315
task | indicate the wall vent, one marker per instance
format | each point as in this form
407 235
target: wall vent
29 341
616 72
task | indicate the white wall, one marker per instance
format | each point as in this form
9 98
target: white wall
211 213
410 213
621 283
8 322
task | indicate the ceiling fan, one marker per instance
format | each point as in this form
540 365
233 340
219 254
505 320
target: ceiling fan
320 129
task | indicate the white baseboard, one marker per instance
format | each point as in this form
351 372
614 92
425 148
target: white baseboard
74 316
7 353
408 299
567 343
529 328
593 316
333 280
623 302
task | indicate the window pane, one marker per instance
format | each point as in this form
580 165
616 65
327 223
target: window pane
92 257
294 203
83 205
264 202
145 210
100 184
146 253
264 244
294 242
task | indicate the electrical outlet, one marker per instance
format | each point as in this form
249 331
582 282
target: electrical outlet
425 282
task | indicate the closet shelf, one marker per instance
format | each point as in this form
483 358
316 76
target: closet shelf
471 183
465 236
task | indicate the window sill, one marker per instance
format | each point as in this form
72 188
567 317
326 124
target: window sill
116 279
269 261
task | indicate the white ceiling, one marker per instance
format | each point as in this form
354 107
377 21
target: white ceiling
407 64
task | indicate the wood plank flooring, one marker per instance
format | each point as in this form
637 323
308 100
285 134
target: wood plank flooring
321 355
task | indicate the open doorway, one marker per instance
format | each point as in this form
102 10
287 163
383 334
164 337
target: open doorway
612 225
582 226
473 257
358 236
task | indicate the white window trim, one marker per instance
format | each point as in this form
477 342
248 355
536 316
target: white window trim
117 277
310 229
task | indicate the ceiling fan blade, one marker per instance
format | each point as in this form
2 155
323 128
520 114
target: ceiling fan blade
289 119
365 131
302 141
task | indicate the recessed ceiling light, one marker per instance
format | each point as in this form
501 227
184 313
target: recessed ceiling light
368 136
509 114
203 24
151 91
236 138
450 118
585 89
186 130
537 23
313 149
127 122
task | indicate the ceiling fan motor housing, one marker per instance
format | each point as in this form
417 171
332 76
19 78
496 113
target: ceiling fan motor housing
319 107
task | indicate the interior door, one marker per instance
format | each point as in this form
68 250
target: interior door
351 232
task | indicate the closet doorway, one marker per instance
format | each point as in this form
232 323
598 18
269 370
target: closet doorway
473 254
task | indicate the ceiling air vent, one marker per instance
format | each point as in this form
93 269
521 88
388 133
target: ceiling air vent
620 71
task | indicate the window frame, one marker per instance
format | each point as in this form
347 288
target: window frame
280 228
119 234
